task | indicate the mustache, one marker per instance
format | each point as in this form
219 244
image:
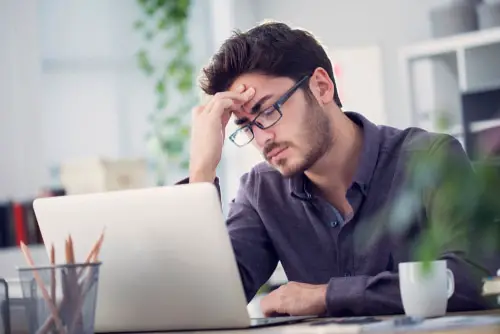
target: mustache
271 146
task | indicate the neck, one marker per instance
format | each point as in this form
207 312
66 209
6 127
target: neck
333 173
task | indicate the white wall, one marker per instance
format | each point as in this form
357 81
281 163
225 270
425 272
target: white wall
20 136
70 85
351 23
92 80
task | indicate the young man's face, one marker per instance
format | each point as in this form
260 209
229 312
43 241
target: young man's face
299 138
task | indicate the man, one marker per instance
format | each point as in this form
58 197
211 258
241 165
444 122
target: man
327 175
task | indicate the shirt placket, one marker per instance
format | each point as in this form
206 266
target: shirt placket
331 220
347 251
341 233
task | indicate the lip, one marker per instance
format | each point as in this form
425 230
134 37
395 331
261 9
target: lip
276 153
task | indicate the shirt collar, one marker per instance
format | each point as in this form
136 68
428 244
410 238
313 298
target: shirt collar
300 186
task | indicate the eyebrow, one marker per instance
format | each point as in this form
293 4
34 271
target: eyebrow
255 109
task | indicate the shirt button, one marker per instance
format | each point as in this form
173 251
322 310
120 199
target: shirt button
334 223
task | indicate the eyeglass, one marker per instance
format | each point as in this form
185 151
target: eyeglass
265 118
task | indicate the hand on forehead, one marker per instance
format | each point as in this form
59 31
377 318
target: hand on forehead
267 89
246 107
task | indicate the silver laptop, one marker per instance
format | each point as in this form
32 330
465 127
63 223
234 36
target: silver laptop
167 260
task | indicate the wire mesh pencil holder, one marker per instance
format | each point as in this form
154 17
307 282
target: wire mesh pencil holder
5 306
60 298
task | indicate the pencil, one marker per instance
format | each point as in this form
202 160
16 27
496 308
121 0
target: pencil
94 252
53 274
71 250
96 248
73 288
44 291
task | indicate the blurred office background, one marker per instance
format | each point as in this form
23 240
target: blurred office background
76 104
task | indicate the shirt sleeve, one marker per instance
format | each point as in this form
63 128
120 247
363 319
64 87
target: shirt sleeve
379 294
253 249
449 218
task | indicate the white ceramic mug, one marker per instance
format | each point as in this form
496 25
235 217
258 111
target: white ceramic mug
425 291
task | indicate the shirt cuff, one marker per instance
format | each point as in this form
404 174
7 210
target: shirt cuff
186 181
183 181
345 295
216 184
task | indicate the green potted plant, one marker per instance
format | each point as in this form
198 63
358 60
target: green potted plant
164 27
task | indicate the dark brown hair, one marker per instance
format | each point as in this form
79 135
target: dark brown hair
271 48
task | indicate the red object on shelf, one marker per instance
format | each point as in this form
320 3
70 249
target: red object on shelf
19 226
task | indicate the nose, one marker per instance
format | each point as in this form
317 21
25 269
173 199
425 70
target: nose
261 137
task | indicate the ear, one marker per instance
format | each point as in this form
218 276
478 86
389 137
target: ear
322 86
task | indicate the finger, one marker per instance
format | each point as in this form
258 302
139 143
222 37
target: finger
221 107
268 313
195 112
198 109
266 308
274 312
238 98
240 88
269 304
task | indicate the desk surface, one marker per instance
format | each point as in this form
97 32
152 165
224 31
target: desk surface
306 328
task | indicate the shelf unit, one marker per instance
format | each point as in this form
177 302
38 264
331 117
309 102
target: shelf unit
452 84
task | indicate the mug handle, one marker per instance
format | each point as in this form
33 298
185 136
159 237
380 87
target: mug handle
451 282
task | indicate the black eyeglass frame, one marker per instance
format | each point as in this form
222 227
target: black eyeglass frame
276 105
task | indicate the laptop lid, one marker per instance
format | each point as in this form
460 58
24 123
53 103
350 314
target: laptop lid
167 259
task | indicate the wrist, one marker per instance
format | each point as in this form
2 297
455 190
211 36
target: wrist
322 300
201 176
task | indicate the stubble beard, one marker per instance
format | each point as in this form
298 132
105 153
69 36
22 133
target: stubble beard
317 135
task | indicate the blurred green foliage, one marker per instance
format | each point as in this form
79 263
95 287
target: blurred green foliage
459 199
166 58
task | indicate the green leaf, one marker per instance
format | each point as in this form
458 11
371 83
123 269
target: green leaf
161 3
160 87
151 9
162 23
185 84
185 131
174 147
139 24
170 43
161 103
184 165
144 63
172 121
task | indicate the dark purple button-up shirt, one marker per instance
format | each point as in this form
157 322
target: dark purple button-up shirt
273 219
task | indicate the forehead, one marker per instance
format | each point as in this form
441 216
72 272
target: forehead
264 85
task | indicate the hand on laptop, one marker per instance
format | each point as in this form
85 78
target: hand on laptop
295 299
208 125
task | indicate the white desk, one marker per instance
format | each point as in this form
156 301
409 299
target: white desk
306 328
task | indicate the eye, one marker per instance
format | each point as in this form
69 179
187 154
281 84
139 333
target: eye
245 129
268 111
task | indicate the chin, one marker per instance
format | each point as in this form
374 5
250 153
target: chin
289 168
